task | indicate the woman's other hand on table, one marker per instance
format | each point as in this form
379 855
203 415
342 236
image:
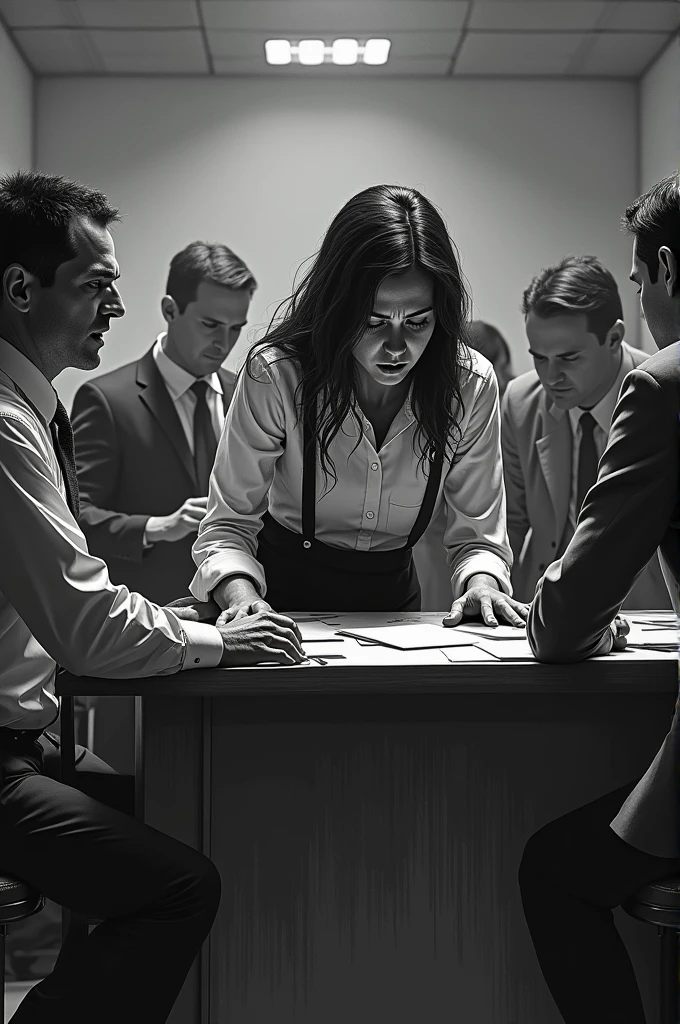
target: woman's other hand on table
484 598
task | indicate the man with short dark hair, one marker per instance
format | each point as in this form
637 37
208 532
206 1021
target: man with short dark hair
156 899
146 434
576 869
556 418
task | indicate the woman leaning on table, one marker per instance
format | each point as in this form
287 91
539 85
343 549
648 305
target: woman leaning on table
359 413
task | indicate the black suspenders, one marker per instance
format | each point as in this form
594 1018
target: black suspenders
309 450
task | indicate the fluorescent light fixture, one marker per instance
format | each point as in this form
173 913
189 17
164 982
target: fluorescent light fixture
376 51
278 51
311 51
345 51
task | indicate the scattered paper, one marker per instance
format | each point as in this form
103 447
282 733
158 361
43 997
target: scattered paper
507 650
410 637
458 655
500 632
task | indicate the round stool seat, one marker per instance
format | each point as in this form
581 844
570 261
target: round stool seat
657 903
17 899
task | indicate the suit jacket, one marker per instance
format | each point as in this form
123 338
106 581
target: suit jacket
537 451
133 462
633 508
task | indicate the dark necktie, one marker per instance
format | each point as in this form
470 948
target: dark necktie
205 442
587 460
62 438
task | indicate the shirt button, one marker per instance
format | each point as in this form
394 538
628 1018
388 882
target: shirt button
374 466
197 661
369 515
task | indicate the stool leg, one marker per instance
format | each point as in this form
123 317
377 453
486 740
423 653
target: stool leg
668 1008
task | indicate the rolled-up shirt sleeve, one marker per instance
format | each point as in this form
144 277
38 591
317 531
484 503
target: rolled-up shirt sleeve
476 536
252 440
63 593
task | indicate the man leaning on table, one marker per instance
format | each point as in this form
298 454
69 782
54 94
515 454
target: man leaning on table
576 869
156 898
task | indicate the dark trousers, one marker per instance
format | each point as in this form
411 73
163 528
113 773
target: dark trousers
574 871
155 898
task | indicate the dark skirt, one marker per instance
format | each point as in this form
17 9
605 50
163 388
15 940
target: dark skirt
321 578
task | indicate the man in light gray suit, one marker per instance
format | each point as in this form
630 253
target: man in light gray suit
556 418
576 869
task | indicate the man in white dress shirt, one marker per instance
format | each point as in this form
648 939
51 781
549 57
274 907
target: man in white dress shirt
555 419
146 434
156 899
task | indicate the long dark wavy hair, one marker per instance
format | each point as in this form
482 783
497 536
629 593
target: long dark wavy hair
384 230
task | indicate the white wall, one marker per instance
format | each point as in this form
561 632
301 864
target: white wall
525 172
16 109
659 128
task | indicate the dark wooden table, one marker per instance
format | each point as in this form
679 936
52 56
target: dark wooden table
368 819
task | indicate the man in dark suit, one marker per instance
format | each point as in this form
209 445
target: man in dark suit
556 418
576 869
146 434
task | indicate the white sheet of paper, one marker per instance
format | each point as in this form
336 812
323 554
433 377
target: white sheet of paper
410 637
507 650
460 654
317 631
500 632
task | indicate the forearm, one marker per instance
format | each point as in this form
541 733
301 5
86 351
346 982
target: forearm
113 534
235 590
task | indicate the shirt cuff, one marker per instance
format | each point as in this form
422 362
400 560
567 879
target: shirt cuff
480 562
229 562
204 645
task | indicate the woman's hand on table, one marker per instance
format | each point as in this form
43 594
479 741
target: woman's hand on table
263 637
484 598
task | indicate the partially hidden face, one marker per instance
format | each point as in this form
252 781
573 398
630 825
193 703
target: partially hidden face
572 365
657 303
201 337
69 318
401 324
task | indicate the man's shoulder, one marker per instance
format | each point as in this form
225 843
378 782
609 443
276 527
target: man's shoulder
14 405
115 384
663 366
525 395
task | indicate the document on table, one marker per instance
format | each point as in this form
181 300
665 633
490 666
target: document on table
660 639
500 632
315 631
507 650
411 636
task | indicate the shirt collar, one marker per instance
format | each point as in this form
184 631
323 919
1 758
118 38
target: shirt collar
178 380
604 410
29 379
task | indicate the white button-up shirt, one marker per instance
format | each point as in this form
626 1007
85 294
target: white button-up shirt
602 414
57 603
179 383
378 494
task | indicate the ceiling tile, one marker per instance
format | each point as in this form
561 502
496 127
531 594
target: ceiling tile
650 15
37 12
618 54
348 17
404 67
101 13
492 53
150 52
404 44
60 51
548 16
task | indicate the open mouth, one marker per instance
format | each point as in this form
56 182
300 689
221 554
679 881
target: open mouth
98 336
391 367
